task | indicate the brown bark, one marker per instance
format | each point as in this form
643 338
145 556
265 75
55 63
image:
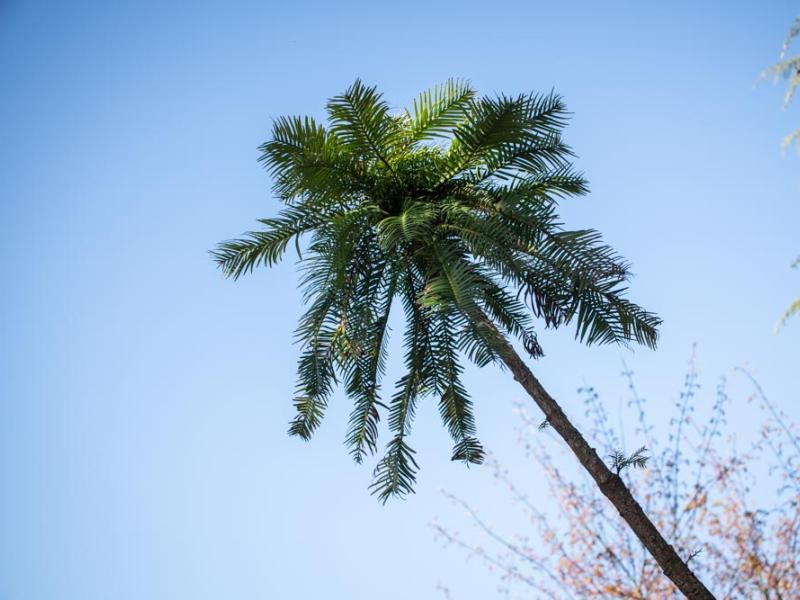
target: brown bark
609 482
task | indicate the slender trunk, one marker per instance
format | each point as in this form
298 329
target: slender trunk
609 482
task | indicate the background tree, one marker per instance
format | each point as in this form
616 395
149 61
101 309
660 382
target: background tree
741 527
788 69
448 209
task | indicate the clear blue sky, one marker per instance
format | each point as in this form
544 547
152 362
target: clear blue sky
144 399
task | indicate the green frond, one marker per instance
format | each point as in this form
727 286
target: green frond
266 247
604 317
468 450
554 184
396 472
340 251
315 382
414 222
545 154
360 119
304 159
452 280
317 331
583 253
472 344
455 405
596 273
493 124
507 311
364 383
437 111
417 380
637 460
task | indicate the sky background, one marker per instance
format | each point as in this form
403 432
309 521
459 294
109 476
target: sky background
144 399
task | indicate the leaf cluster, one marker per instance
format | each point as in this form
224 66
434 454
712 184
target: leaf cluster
788 69
637 460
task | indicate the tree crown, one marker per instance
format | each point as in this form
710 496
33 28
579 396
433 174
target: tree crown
449 210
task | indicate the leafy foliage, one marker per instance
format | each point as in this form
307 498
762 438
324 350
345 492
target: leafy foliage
727 497
449 210
788 69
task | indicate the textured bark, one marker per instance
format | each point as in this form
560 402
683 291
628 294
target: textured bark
609 482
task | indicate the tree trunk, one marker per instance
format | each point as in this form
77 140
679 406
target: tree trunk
609 482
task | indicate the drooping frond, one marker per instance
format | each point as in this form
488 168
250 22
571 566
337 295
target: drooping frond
338 252
604 317
364 382
455 405
266 247
396 472
315 371
565 275
512 317
315 368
